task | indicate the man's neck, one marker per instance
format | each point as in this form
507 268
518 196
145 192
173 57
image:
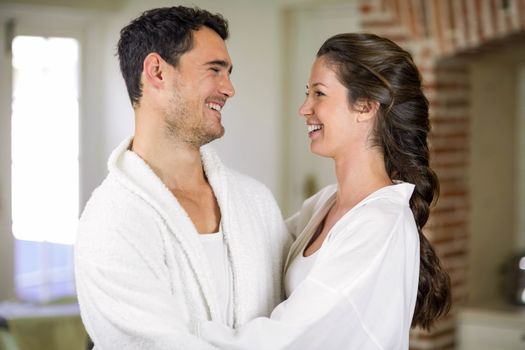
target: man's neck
177 164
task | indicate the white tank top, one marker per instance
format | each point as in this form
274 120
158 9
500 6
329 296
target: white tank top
297 271
300 266
217 253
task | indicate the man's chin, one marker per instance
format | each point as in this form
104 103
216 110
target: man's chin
212 137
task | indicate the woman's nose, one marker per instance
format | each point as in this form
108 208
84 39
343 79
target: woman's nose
305 109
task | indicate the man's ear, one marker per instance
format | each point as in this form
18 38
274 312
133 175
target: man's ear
153 70
366 110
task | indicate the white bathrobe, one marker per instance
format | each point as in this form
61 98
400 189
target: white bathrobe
143 278
361 291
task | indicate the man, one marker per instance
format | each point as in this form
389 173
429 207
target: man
172 236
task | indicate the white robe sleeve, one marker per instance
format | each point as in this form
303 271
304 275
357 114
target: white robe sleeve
125 301
356 296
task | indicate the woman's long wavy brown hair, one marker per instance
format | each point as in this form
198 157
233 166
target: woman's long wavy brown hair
373 68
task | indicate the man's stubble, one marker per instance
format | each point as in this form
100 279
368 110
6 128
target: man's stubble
185 122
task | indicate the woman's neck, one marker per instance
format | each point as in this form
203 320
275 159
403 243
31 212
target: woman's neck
358 176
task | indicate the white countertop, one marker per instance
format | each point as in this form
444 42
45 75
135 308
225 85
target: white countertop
493 312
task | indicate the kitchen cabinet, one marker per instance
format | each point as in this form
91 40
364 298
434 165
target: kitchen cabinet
495 326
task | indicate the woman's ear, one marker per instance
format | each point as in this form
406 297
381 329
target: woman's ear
366 110
153 70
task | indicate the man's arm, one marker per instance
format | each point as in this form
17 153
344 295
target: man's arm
125 295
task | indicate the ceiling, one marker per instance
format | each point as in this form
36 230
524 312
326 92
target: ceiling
101 5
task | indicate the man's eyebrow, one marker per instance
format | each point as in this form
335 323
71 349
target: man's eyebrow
221 63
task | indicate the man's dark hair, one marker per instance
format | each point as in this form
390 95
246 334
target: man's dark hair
167 31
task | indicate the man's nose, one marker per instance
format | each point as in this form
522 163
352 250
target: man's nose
227 87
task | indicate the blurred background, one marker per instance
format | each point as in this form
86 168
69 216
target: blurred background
64 107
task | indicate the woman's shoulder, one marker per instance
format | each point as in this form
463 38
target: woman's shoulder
321 197
310 207
387 201
397 194
318 201
381 214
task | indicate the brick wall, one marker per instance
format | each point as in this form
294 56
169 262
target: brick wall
441 35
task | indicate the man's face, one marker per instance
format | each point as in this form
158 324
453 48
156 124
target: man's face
200 87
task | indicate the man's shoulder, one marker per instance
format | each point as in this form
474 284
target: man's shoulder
106 192
237 181
111 202
243 179
115 214
247 185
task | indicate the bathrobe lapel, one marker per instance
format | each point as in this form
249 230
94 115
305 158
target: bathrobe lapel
232 227
243 230
139 177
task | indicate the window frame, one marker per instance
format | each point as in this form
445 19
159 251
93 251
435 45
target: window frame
87 27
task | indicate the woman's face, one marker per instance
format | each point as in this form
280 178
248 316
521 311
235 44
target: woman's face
334 127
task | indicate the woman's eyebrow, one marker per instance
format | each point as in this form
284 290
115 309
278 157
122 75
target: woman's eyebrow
316 84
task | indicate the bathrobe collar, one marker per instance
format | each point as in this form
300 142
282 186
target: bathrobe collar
136 175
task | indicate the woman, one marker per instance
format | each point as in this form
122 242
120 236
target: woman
360 273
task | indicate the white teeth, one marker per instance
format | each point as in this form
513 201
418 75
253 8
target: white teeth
314 127
214 106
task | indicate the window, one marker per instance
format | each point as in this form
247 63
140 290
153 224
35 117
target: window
45 164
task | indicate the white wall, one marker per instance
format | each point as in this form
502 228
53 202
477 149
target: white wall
520 159
6 238
307 28
253 118
88 28
97 88
497 169
252 141
491 176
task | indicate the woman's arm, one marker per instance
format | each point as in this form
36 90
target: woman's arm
304 321
359 294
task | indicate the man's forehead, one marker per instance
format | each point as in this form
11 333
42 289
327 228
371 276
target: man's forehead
208 47
204 58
